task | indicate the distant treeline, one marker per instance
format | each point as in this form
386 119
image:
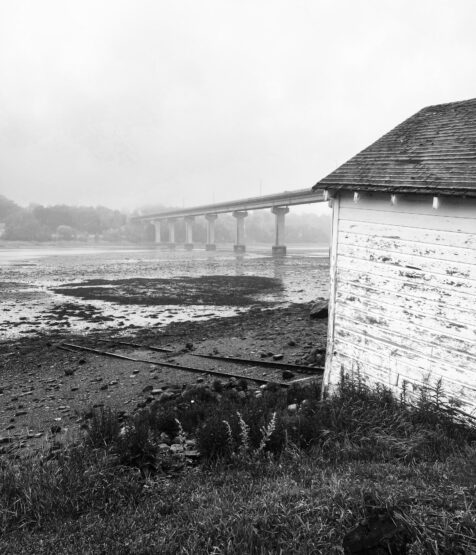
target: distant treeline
61 222
82 223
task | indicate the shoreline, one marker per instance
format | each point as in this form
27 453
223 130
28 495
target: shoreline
45 390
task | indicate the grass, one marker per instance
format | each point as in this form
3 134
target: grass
332 465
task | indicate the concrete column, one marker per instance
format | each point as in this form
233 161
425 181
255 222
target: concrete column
279 248
211 246
158 238
171 225
189 232
240 216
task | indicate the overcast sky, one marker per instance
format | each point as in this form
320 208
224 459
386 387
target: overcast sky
184 102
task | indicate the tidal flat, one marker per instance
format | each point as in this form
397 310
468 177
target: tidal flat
252 306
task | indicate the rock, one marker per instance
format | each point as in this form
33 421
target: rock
21 413
55 429
319 310
5 439
192 454
81 361
166 395
287 375
292 408
147 388
278 356
176 448
165 438
157 391
200 380
68 371
316 356
291 343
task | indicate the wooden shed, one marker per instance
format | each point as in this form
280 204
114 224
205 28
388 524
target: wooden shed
403 258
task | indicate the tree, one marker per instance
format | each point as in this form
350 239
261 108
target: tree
7 207
65 232
23 226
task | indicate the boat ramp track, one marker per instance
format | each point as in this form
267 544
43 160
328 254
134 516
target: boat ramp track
312 373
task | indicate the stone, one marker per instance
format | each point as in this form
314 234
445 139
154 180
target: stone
278 356
192 454
55 429
5 439
287 375
319 310
292 408
165 438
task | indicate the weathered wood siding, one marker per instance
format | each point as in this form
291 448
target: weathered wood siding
403 293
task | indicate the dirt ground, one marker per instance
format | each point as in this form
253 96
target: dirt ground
45 391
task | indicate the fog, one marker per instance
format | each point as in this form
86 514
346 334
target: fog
129 103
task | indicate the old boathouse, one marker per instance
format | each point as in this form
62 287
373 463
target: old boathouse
402 304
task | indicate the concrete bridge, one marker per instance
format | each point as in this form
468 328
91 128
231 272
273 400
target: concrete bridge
279 204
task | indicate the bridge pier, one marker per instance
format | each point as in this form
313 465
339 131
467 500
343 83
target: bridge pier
158 237
171 226
189 232
279 248
240 216
211 246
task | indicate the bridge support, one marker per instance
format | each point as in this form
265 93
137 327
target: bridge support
158 237
211 246
189 232
171 225
279 248
240 216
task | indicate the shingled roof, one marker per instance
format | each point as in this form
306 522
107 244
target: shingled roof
434 151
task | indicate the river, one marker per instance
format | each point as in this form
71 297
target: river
29 306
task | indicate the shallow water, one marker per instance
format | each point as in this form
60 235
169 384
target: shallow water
28 305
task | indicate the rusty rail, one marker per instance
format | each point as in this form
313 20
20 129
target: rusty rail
72 346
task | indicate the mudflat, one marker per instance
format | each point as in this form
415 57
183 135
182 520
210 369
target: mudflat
253 307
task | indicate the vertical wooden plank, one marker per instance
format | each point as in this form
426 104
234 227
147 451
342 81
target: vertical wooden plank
332 296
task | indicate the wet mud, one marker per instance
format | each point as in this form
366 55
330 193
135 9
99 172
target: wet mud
218 290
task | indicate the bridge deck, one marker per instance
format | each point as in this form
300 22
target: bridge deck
287 198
